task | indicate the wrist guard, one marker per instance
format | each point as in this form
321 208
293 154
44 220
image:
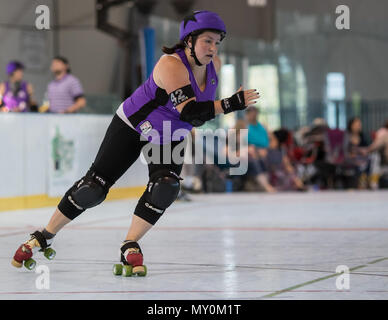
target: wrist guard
235 102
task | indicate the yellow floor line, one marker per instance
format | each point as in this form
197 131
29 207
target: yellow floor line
43 200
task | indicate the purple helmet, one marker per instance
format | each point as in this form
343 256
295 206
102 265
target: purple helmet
13 66
200 20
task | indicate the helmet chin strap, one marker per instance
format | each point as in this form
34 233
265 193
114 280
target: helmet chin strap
193 41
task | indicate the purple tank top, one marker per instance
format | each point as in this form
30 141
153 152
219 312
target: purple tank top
151 112
21 98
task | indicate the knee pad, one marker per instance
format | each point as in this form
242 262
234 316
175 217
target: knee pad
163 188
90 191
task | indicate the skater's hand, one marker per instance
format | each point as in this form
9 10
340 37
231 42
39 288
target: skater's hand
250 96
240 100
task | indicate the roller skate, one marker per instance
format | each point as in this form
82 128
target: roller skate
131 259
24 253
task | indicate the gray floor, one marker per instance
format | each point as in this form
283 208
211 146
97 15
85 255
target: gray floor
227 246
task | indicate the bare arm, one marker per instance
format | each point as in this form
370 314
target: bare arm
30 91
287 164
171 74
378 143
2 89
78 104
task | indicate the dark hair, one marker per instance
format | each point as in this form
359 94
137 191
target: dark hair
170 50
18 65
182 44
64 60
251 109
350 123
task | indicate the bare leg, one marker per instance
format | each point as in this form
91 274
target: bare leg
299 184
263 181
57 222
138 228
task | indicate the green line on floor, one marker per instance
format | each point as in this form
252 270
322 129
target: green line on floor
321 279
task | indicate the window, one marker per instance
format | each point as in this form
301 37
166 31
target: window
227 89
335 95
264 78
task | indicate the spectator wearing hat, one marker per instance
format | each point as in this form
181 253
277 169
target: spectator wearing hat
64 93
16 95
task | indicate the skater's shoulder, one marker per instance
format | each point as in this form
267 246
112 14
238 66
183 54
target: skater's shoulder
170 62
170 72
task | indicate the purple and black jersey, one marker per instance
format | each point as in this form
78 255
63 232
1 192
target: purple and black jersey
149 106
16 97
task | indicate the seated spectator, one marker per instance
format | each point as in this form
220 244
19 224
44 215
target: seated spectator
281 173
257 134
382 131
379 148
355 163
354 133
226 153
288 143
16 95
258 143
65 93
235 155
320 151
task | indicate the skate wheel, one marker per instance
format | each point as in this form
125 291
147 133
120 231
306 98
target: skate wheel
49 253
118 269
127 271
140 271
16 264
30 264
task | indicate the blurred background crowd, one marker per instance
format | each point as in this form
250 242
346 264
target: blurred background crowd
309 158
321 122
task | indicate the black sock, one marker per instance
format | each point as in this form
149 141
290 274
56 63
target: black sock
47 235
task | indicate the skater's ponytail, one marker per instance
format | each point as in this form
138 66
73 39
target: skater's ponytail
170 50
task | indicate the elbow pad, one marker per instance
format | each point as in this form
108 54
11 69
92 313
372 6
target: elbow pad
197 113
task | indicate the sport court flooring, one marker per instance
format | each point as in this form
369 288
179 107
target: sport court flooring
219 246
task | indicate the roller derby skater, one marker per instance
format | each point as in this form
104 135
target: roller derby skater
180 91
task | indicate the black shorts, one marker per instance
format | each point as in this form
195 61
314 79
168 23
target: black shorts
122 146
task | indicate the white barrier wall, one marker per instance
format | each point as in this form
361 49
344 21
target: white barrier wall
32 157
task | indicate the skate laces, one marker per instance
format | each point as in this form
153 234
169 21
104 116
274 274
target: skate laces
130 247
132 250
